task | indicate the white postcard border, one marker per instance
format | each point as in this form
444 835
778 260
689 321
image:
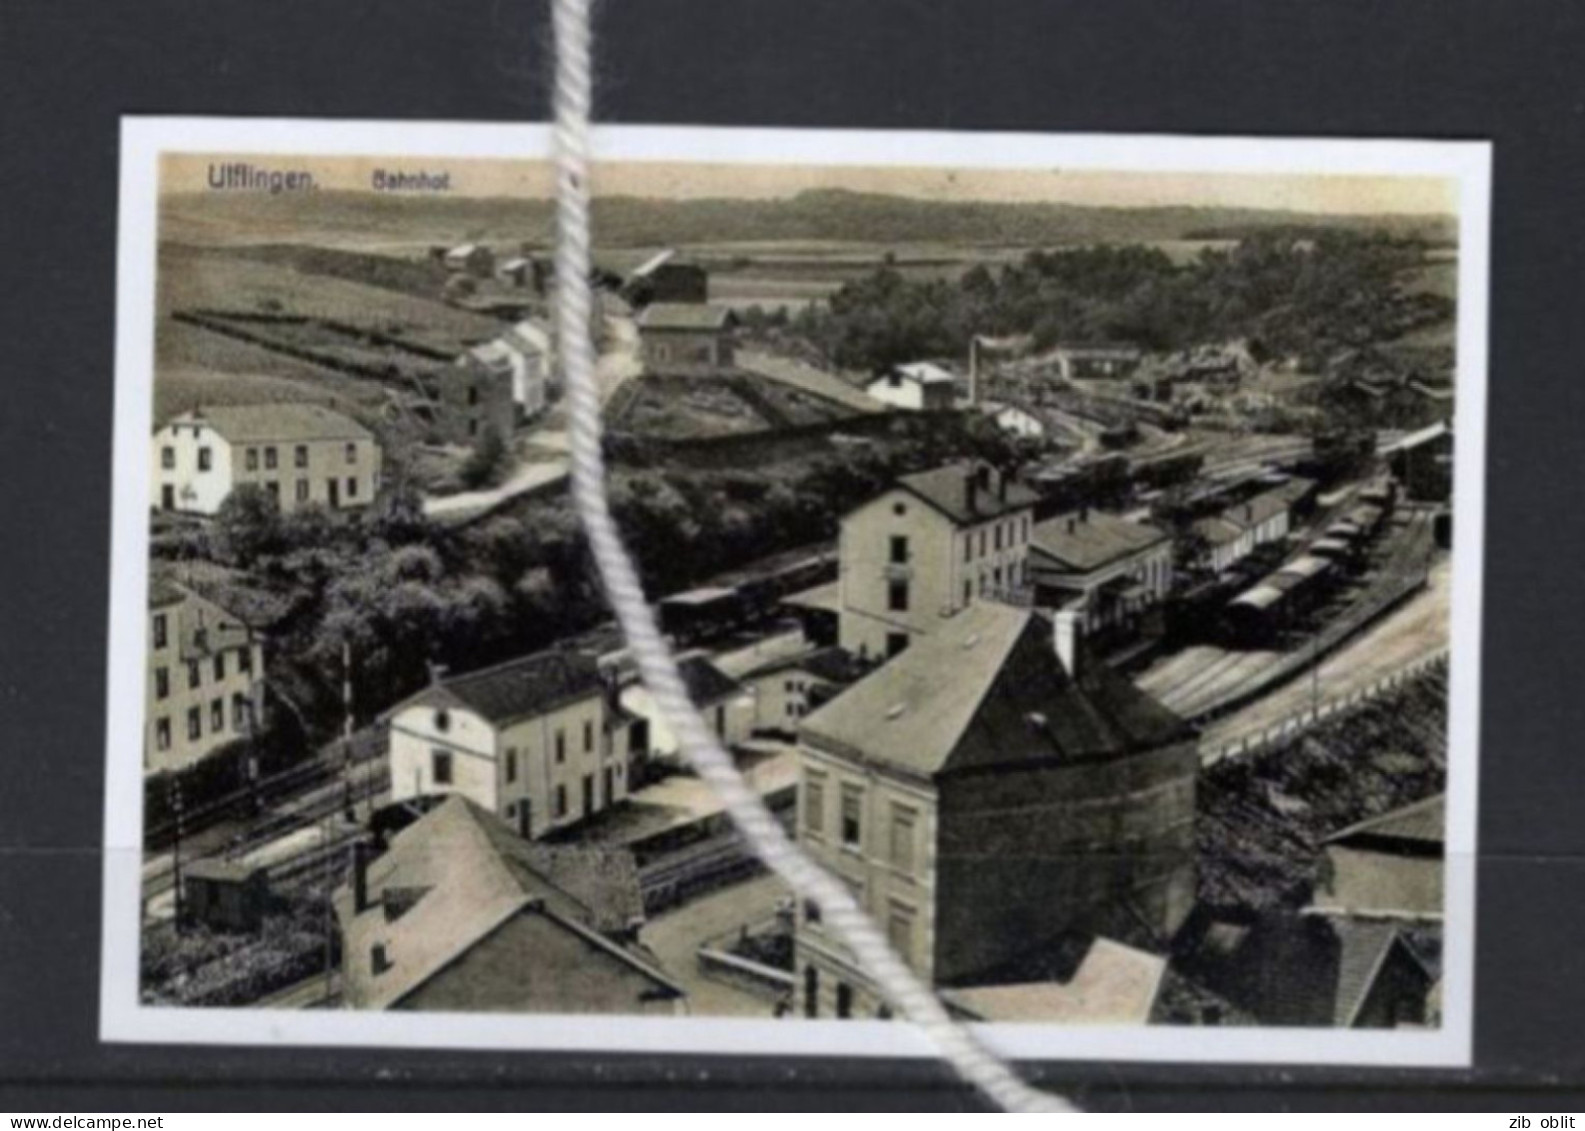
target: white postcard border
124 1019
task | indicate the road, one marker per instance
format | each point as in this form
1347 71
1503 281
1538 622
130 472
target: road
1417 629
675 937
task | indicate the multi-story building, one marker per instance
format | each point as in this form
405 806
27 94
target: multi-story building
924 549
472 398
986 794
205 684
522 354
1112 568
299 453
538 741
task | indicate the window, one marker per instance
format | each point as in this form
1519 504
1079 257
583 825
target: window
852 810
903 837
968 592
473 427
720 723
302 490
168 458
638 737
588 737
245 660
220 666
998 533
982 543
896 643
561 745
206 459
811 911
1025 537
442 720
352 453
968 547
814 804
241 710
440 767
900 930
269 459
473 394
162 682
300 455
194 676
162 734
195 724
160 628
897 596
588 794
352 486
217 716
561 801
511 763
844 1000
899 509
274 489
899 553
252 459
811 992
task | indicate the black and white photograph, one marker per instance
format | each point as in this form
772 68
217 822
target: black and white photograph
1074 541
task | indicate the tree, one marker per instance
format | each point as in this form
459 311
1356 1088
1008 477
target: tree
247 526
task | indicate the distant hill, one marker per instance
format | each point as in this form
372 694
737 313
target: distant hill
817 215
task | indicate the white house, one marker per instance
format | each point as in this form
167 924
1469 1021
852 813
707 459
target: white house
299 453
921 386
536 741
524 352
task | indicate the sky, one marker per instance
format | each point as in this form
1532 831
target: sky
1320 192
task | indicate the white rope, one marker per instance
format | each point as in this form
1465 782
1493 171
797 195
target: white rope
957 1045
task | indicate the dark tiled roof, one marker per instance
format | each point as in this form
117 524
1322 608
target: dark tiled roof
519 688
706 683
953 491
1363 945
291 421
163 592
986 690
685 316
1095 540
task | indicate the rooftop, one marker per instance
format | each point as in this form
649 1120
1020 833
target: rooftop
926 373
1423 823
1089 540
987 689
457 874
1113 985
286 421
706 683
685 316
969 492
517 689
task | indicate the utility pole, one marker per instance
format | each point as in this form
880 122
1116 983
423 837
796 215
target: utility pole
176 848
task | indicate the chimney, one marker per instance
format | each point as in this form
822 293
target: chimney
360 877
1067 632
437 673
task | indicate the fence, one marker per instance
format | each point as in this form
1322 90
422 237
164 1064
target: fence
1285 730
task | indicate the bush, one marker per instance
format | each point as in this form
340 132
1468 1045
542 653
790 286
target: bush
485 465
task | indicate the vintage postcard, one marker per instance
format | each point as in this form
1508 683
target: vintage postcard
1076 541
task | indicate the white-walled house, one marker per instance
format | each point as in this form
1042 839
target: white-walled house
920 386
725 705
536 741
523 352
299 453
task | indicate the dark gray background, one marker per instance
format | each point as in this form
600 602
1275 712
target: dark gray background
1417 68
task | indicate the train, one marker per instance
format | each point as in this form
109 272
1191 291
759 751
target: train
701 615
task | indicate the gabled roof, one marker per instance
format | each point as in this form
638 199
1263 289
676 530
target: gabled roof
706 683
954 491
518 689
1423 823
986 690
685 316
1218 531
1363 946
1114 984
925 373
1091 540
457 874
254 423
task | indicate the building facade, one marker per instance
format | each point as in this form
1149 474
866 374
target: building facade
538 741
1098 360
687 339
1111 568
205 679
471 399
984 794
919 386
298 453
925 549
